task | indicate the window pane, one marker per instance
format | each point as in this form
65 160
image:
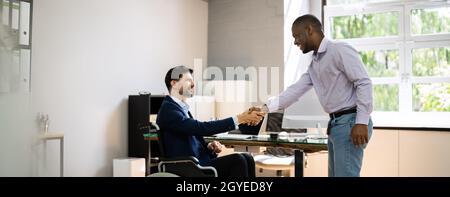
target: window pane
365 25
431 61
430 21
343 2
381 63
431 97
385 97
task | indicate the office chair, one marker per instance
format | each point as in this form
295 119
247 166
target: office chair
182 166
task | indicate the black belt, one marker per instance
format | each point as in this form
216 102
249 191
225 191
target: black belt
343 112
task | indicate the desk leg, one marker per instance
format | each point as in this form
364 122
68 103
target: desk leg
44 161
299 163
149 160
61 156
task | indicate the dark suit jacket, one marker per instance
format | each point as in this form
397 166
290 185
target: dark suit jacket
183 135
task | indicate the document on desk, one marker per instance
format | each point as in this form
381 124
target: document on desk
317 136
233 136
304 135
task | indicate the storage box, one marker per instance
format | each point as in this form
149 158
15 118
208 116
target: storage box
129 167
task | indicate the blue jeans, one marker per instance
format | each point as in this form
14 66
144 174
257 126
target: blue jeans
344 158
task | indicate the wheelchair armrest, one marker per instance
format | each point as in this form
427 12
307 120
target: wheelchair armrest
187 163
185 159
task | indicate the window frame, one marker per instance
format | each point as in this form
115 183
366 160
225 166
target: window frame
405 43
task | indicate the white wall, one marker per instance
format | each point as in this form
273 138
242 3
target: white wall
89 55
15 135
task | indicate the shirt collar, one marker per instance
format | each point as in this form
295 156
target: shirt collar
323 45
183 105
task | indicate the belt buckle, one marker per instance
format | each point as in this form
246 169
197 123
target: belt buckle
332 116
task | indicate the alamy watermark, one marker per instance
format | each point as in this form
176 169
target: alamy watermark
235 83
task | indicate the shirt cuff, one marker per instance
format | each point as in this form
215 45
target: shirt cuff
362 118
273 105
236 123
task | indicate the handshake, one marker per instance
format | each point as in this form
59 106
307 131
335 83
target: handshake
253 116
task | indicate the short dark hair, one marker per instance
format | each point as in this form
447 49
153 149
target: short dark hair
309 19
176 73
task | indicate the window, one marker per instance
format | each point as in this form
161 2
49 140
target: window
405 46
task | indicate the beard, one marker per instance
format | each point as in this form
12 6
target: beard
306 46
306 49
186 93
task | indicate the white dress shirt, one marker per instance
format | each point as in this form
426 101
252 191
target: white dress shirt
339 79
182 104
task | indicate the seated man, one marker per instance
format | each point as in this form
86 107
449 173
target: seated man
183 135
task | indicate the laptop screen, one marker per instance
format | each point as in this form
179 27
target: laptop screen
248 129
275 123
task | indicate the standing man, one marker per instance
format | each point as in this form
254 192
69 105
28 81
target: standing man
183 135
344 89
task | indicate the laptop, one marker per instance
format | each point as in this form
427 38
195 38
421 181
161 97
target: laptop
271 123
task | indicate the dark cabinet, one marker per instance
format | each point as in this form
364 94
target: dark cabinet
140 107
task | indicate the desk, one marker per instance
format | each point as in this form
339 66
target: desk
56 136
301 145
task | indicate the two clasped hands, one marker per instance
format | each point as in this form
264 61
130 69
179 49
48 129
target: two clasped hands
252 117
